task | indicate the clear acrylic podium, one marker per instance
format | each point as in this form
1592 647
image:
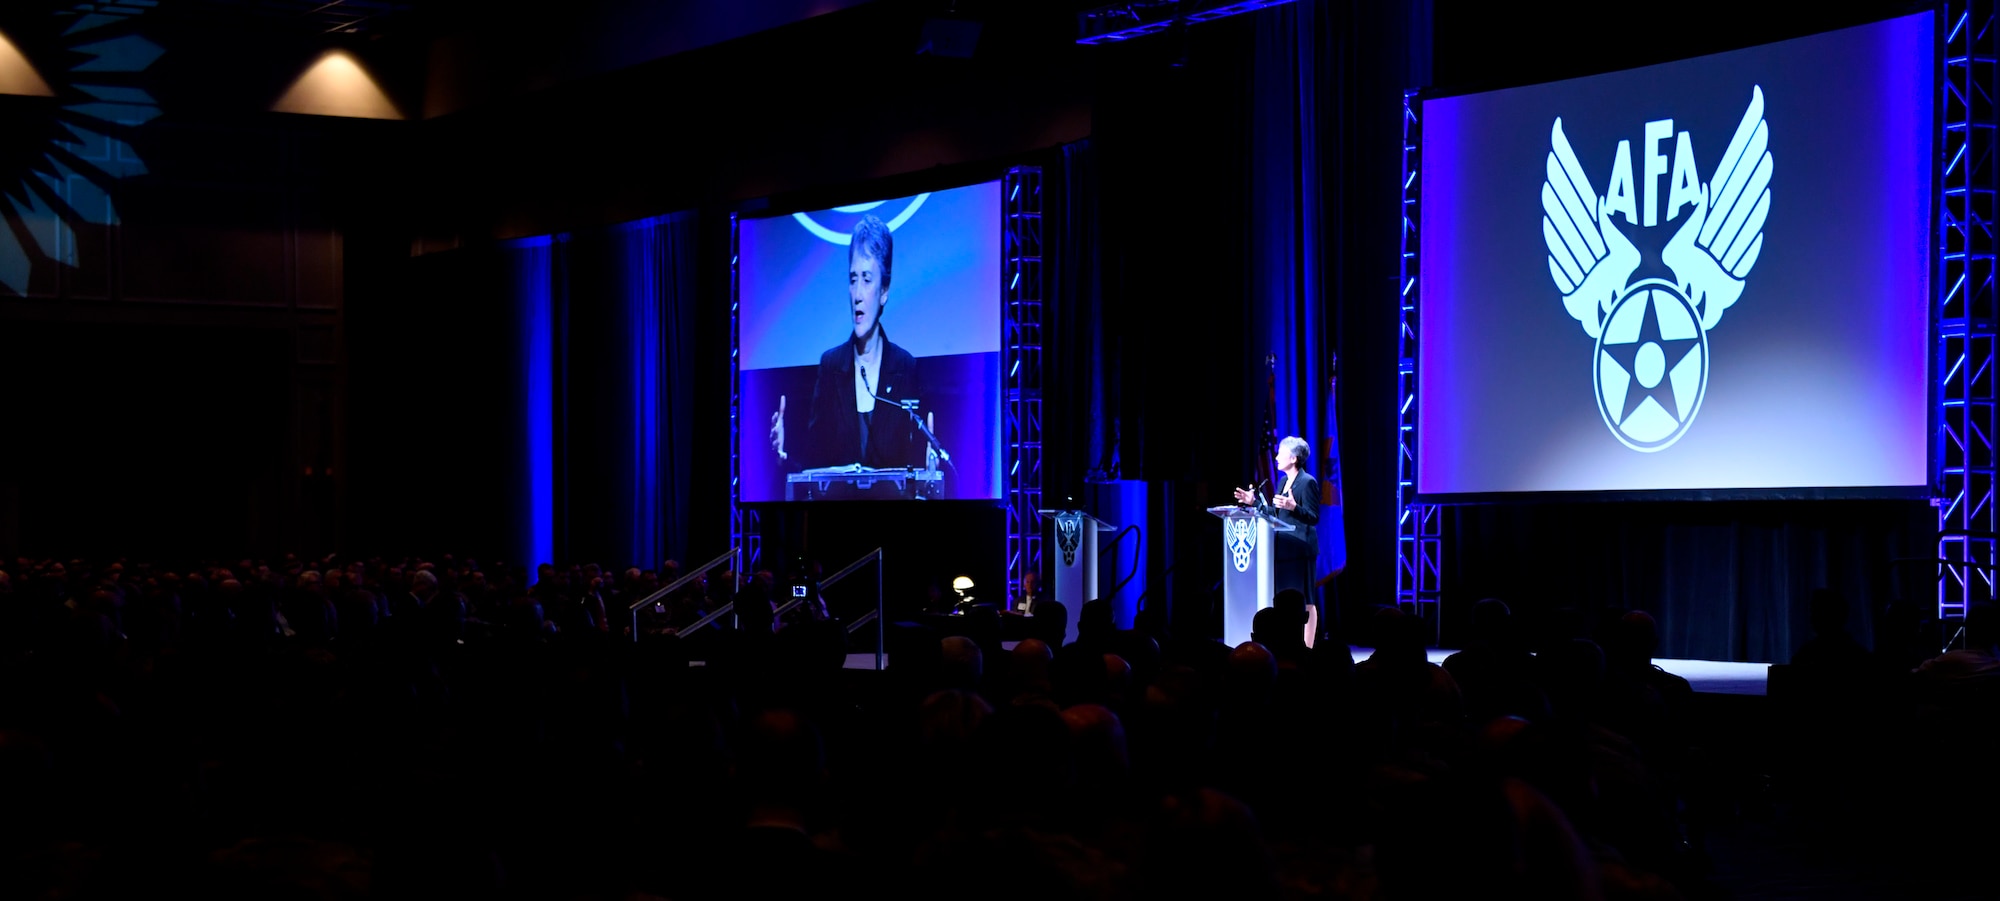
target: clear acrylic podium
1073 535
1248 578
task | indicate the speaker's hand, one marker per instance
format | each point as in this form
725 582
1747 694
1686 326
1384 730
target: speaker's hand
778 429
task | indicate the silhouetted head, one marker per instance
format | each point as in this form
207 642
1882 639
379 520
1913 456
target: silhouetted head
780 759
1207 845
1398 635
1029 665
1099 739
1117 677
1272 627
1292 603
960 662
1252 670
1051 622
1490 619
1631 640
947 719
1095 621
1828 612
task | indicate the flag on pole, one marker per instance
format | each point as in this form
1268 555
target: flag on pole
1332 525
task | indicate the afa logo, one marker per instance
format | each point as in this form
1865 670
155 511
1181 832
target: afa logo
1650 363
1241 539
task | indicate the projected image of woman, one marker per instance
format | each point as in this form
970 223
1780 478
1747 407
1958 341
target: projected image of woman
854 417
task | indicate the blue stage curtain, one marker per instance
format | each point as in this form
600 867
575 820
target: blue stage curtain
605 332
659 299
624 395
1289 243
529 278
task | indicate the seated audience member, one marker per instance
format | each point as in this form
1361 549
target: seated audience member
1398 681
1978 660
960 663
1207 845
1831 652
1495 672
756 605
1051 623
1031 595
1028 667
779 776
1275 628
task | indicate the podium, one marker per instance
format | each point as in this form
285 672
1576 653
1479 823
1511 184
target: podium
1248 577
860 483
1073 535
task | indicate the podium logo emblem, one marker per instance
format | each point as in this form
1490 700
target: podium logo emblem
1649 367
1069 535
1241 537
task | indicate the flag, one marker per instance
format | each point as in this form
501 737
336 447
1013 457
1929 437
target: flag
1332 525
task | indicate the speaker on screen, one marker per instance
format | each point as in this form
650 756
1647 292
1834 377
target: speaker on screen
870 350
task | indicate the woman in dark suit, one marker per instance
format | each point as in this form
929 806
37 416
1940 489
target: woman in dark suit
847 422
1296 503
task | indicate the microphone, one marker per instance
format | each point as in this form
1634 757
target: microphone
909 406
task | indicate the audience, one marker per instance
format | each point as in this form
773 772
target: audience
441 728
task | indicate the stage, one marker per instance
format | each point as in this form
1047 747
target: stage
1706 676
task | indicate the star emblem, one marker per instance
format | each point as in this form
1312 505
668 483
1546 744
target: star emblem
1647 361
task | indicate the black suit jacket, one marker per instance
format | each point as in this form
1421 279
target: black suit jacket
833 431
1305 518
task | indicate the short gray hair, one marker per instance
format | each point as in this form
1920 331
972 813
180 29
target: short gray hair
1298 448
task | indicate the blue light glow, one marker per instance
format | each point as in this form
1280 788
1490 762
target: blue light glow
532 279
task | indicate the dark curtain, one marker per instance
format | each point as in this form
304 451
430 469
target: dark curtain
625 392
1287 241
1323 176
1725 580
1081 347
1247 171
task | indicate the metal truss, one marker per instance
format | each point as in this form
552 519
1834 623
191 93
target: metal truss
1419 527
1121 22
744 538
1966 309
1022 379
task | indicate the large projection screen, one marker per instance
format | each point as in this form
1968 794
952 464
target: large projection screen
1710 277
808 308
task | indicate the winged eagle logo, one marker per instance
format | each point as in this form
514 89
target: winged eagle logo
1650 364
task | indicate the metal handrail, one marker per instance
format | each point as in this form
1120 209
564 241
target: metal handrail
875 614
719 613
1138 548
875 555
676 584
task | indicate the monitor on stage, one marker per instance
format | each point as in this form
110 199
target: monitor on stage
1710 277
869 350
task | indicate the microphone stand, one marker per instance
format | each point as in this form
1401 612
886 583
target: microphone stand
910 407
